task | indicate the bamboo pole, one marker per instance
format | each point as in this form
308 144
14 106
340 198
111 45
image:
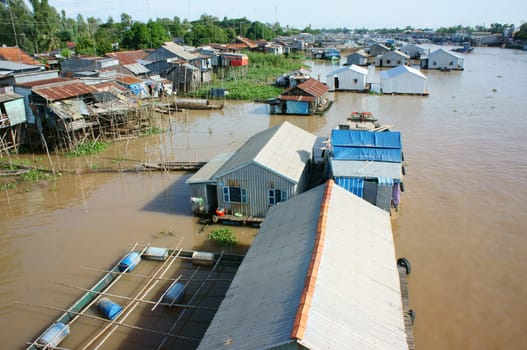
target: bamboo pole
78 314
129 308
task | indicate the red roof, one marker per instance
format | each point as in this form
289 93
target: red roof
63 91
297 98
129 80
109 86
313 87
128 57
14 54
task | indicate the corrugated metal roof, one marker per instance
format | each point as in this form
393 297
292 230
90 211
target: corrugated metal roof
15 54
64 90
296 98
205 174
136 68
355 300
129 80
128 57
402 69
313 87
110 86
179 51
9 97
365 169
35 83
15 66
260 306
283 149
353 67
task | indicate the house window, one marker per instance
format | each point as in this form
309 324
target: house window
399 62
434 63
355 80
234 194
388 61
451 63
277 196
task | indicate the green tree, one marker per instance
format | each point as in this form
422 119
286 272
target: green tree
16 18
522 33
47 26
258 30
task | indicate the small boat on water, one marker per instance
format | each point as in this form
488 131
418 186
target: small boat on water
185 103
363 121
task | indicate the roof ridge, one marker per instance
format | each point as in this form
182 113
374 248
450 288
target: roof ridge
299 326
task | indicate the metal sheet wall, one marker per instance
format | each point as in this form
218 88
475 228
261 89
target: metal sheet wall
257 181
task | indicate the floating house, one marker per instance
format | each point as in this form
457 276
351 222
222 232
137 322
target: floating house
320 274
442 59
377 49
368 164
391 59
359 58
306 98
269 168
348 78
414 51
403 80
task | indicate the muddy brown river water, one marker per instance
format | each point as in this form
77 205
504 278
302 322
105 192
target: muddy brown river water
462 222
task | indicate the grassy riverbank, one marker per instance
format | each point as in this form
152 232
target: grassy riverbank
254 82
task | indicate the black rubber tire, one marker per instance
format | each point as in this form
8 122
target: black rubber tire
402 156
406 264
402 186
403 169
411 313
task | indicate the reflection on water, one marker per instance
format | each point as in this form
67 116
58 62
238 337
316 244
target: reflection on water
461 222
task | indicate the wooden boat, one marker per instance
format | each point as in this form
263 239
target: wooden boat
59 329
363 121
182 103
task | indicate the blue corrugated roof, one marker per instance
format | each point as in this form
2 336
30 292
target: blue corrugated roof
359 138
393 155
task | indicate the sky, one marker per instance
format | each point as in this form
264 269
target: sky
317 14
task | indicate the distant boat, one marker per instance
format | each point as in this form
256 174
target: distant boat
363 121
183 103
466 48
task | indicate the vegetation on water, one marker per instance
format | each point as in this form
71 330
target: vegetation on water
87 149
223 237
256 83
32 174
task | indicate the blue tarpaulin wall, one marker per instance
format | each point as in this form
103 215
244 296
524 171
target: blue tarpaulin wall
366 153
359 138
351 184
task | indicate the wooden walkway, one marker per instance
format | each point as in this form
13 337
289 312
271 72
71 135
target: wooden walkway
408 322
173 166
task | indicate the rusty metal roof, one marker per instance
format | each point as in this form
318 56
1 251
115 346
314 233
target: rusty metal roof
313 87
14 54
129 80
128 57
31 84
297 98
110 86
63 91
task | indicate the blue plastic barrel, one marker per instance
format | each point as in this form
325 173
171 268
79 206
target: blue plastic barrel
108 308
130 262
174 293
54 335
